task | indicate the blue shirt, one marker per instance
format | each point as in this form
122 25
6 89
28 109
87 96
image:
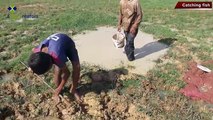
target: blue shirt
60 47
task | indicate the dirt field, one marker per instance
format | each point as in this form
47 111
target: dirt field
103 99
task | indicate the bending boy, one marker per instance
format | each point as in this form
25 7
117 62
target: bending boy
57 49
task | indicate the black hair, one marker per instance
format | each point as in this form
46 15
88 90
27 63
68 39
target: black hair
40 62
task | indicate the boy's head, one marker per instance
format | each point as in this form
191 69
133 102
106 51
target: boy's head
40 62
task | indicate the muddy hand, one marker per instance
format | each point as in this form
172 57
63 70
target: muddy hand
78 97
56 98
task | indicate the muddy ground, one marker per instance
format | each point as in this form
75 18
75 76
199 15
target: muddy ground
108 95
102 91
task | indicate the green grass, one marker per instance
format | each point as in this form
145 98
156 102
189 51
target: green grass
81 21
160 31
166 75
131 83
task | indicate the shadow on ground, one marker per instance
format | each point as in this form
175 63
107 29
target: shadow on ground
101 80
153 47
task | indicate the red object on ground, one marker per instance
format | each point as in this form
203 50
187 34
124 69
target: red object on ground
199 83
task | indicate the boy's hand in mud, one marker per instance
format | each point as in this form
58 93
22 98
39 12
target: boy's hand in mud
56 98
77 97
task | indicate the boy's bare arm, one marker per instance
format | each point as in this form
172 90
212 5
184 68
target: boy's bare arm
75 76
76 79
61 75
57 75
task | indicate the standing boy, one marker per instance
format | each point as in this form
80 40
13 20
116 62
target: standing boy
56 49
130 16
